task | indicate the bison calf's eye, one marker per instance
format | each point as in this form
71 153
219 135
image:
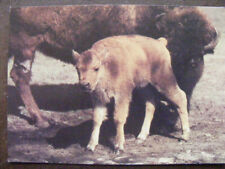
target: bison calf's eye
96 69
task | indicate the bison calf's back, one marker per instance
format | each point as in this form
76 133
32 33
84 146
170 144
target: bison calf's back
116 65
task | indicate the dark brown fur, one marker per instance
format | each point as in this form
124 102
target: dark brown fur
113 69
87 58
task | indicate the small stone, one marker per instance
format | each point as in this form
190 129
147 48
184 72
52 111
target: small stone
121 157
109 162
100 159
188 157
188 151
88 162
166 160
207 155
208 135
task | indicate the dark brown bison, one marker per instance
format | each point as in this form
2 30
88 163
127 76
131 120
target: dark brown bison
58 30
114 67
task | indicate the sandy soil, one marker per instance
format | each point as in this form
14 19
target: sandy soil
54 87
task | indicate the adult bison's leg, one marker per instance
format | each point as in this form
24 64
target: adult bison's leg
120 116
149 113
21 74
190 78
99 115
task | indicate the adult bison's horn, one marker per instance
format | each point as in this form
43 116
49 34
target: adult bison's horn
209 48
75 55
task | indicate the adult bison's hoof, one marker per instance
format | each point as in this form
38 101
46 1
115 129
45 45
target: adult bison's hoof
42 123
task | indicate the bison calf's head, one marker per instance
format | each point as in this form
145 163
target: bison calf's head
88 68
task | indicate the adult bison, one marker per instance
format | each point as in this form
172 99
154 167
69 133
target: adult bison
58 30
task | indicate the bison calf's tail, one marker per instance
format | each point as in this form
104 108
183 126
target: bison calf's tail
163 41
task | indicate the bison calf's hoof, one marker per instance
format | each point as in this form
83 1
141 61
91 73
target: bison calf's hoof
88 149
141 137
185 135
118 151
91 147
140 140
119 148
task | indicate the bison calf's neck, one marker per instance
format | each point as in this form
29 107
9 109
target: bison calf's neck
116 65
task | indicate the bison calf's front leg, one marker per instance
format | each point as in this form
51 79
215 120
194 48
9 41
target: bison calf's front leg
99 115
120 116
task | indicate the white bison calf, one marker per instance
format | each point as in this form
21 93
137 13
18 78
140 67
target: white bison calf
116 65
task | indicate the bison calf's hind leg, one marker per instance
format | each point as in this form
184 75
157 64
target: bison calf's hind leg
149 113
99 115
179 99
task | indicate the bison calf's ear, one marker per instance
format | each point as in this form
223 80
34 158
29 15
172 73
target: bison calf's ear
76 56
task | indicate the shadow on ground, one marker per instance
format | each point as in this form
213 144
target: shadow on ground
62 98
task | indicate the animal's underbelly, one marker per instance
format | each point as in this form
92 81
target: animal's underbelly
142 83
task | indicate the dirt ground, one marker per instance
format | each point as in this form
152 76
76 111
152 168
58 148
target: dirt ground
54 87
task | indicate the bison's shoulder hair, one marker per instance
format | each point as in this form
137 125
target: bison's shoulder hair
186 28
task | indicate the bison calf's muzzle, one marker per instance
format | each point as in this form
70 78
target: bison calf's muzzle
114 66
